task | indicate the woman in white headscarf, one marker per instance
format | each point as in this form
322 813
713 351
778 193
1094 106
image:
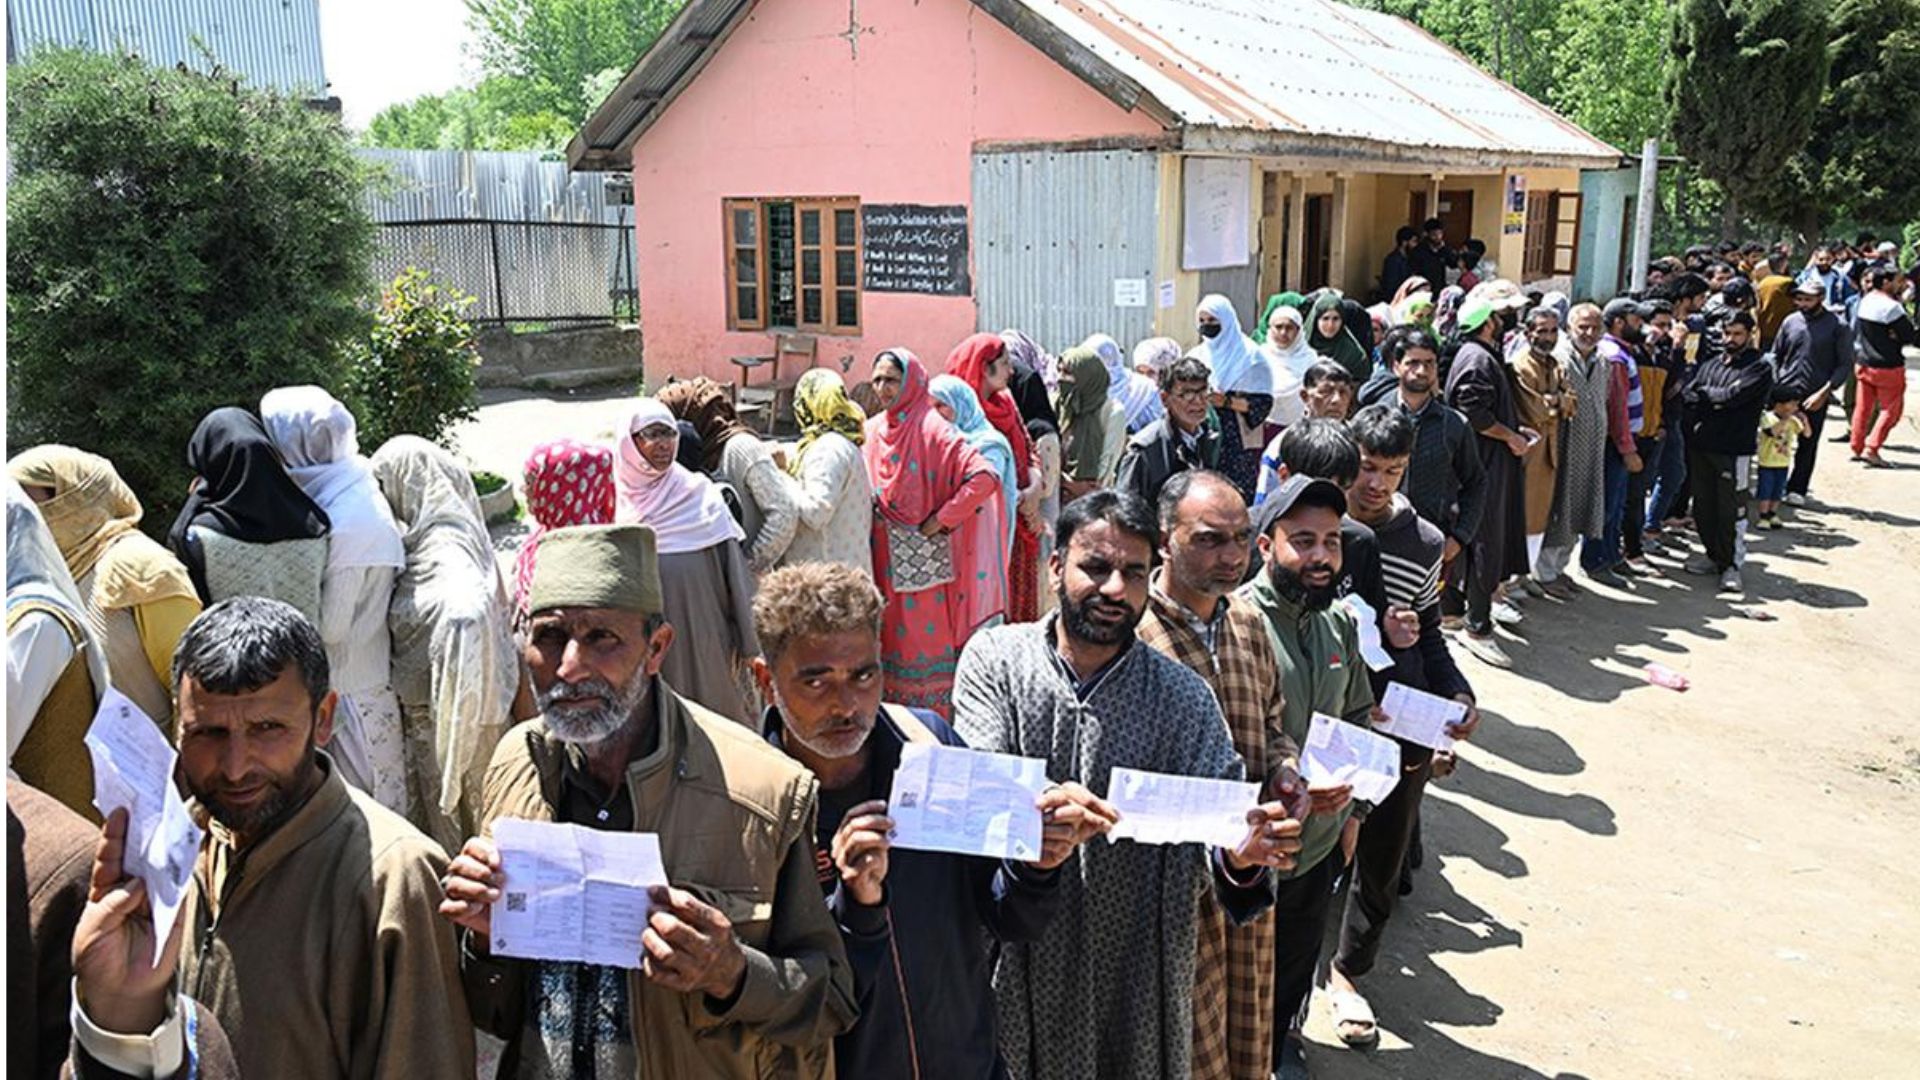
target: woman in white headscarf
1137 395
704 580
1242 388
56 670
1288 357
317 438
455 669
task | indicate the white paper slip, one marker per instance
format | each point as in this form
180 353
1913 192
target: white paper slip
1419 717
133 768
1160 808
1341 753
573 893
969 802
1372 649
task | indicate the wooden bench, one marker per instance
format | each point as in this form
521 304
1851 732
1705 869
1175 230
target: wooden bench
768 404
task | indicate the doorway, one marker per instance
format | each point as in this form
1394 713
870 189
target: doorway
1456 213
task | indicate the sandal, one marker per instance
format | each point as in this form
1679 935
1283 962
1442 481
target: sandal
1353 1020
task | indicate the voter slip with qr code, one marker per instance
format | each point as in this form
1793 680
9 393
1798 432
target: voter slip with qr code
556 874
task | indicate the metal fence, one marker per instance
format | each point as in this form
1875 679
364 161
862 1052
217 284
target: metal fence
519 271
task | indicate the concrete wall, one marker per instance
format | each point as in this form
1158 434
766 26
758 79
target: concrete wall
784 108
560 359
1603 206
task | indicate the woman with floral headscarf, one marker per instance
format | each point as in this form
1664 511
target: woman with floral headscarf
137 595
735 456
832 494
927 483
566 483
982 547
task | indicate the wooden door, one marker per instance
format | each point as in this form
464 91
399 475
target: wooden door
1317 266
1456 213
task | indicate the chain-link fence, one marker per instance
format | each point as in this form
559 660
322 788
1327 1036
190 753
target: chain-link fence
519 271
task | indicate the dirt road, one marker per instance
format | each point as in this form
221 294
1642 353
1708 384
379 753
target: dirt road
1624 881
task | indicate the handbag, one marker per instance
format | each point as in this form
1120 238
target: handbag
918 562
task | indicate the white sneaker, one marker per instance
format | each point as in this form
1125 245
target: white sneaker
1486 650
1506 614
1730 582
1794 498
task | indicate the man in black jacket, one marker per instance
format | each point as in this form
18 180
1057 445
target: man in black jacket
1177 441
1813 355
1724 398
917 924
1431 258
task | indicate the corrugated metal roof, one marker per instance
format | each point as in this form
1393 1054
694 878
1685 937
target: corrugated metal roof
433 185
1305 77
1314 68
272 43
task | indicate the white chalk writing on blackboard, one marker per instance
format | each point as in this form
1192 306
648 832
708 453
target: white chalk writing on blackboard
916 249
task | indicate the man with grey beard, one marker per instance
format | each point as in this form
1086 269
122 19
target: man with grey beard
742 972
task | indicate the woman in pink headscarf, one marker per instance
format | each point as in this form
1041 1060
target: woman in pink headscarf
567 483
927 480
704 580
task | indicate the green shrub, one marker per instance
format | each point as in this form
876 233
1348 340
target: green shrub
414 375
177 241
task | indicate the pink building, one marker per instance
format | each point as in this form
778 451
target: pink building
834 178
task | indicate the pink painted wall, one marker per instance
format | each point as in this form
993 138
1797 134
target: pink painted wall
784 109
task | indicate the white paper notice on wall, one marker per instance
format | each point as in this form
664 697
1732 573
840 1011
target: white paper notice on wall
1217 218
1166 295
1129 292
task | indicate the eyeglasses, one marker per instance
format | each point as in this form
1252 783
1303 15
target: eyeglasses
656 433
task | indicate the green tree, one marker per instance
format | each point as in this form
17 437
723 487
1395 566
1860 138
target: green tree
1746 79
1862 159
176 242
1609 62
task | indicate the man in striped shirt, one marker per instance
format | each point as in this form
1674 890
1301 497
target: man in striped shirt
1411 551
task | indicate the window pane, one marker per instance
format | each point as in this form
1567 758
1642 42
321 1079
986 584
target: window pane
846 308
810 307
746 304
809 226
746 227
844 232
747 266
810 266
846 267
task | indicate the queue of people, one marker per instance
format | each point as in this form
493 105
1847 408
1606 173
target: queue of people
1166 565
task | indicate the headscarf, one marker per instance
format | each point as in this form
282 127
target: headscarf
1030 390
243 491
1137 395
1082 403
1359 323
315 435
968 361
915 459
820 405
1446 311
1283 299
1561 306
704 403
36 573
1158 353
1295 361
92 511
1235 363
1413 286
451 646
971 422
566 483
1341 348
685 509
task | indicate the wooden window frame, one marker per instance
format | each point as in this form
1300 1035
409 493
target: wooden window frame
1557 220
1536 259
828 248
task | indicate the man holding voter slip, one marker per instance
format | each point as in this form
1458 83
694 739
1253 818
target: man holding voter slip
646 904
1107 990
1206 541
1324 678
919 919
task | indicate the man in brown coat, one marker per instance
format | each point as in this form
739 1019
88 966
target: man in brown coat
743 974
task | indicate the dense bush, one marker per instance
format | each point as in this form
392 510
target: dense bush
414 374
176 242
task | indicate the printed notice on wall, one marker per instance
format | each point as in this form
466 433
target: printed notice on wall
1514 221
1218 213
916 249
1129 292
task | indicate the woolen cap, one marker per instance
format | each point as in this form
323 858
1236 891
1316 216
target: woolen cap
1810 285
1295 490
1620 307
597 566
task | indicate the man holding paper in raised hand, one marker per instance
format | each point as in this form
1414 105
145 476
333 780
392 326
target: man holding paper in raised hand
1321 671
918 924
740 972
1206 541
1107 991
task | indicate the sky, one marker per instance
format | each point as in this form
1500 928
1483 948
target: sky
381 52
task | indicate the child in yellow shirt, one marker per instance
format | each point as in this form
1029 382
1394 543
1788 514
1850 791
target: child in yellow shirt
1781 428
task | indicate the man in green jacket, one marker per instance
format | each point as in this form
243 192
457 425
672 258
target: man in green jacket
1321 671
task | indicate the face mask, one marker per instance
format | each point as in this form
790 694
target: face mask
1210 330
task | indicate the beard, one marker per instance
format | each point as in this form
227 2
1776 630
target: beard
588 724
1313 598
842 739
272 808
1082 626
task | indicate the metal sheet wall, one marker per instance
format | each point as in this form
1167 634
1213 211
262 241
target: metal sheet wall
273 44
1053 231
433 185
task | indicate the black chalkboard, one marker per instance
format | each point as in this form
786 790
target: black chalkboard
916 249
